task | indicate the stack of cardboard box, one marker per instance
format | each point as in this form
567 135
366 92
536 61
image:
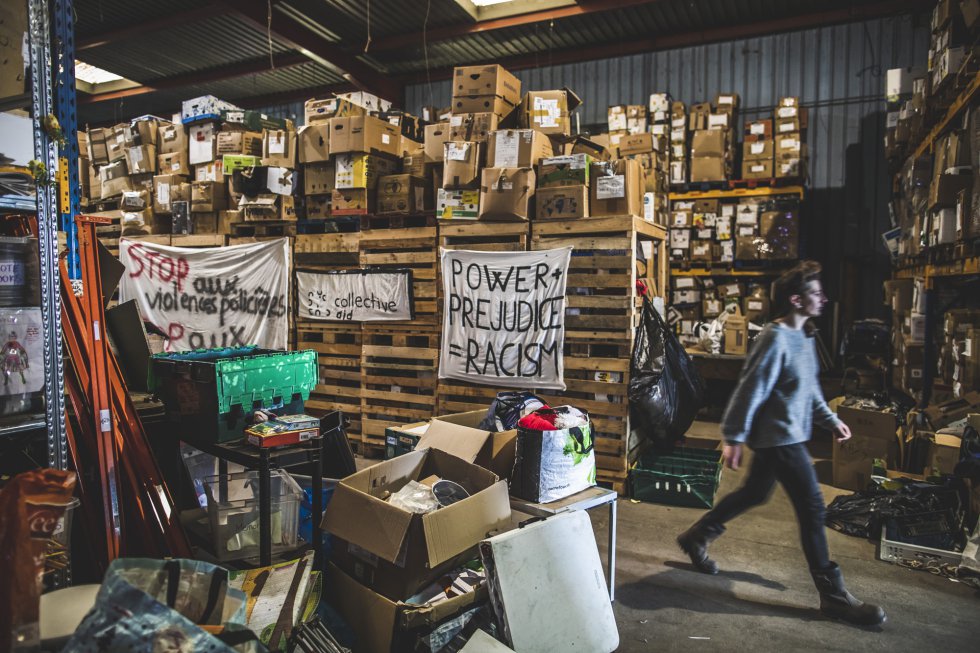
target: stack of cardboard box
908 341
758 147
678 143
711 138
959 353
790 122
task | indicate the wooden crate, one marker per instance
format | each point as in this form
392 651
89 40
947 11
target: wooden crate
602 301
415 249
399 365
269 229
338 348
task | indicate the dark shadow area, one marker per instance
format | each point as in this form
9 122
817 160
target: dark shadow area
741 576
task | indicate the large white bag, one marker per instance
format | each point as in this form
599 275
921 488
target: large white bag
553 464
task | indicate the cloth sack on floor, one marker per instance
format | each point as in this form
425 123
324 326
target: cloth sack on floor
555 456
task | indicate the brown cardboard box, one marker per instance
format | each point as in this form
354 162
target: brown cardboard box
617 188
173 163
757 169
115 179
506 194
239 142
581 145
482 104
352 199
472 126
141 159
944 453
790 168
322 110
202 143
709 169
361 170
517 148
225 219
461 165
364 134
493 80
266 207
211 171
636 144
136 200
566 202
319 178
314 143
711 143
171 137
460 434
790 146
116 142
435 138
616 118
421 544
166 189
736 335
709 206
761 129
567 170
317 207
757 306
873 436
758 150
945 413
204 223
404 194
279 148
548 111
208 197
701 250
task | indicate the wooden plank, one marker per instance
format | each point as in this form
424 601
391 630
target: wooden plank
582 243
346 243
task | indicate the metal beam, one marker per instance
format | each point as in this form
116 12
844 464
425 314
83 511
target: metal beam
208 76
447 32
331 55
291 96
699 37
153 25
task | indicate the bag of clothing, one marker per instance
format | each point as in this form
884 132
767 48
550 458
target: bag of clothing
555 456
147 606
665 389
508 408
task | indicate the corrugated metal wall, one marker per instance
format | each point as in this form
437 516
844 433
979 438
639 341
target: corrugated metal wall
838 72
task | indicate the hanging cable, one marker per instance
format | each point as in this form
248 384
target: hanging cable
268 33
425 50
367 44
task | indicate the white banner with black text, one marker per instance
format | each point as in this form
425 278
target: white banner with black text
355 295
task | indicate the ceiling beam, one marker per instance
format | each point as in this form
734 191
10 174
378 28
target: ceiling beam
447 32
699 37
291 96
152 25
208 76
331 55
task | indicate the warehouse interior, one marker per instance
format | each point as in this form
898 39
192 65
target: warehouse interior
489 325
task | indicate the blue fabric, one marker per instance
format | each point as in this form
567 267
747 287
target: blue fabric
778 396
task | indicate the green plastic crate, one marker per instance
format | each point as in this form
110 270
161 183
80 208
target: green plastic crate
687 477
211 392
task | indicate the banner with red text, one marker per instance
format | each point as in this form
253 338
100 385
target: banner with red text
210 297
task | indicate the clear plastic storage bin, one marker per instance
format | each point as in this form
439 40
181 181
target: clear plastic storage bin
233 513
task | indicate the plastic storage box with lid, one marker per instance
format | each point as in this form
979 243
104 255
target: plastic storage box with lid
233 513
211 392
686 477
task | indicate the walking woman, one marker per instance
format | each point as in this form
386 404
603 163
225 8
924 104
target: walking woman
772 410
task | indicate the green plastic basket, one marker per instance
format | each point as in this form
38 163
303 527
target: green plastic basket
687 477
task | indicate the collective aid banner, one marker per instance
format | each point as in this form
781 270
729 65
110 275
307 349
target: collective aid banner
504 317
355 295
210 297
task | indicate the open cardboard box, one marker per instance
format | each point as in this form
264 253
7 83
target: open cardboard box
396 552
460 433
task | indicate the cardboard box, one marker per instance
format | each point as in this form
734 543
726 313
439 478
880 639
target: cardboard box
141 159
517 148
314 143
852 460
202 143
492 80
460 433
616 118
568 170
709 169
203 107
322 110
458 204
758 150
279 148
98 151
211 171
166 189
171 137
565 202
636 144
115 179
506 194
790 146
404 194
757 169
352 199
317 206
710 143
761 129
239 142
411 550
436 137
461 165
945 413
482 104
319 178
736 335
208 197
548 111
365 134
173 163
617 188
266 207
472 126
944 453
361 170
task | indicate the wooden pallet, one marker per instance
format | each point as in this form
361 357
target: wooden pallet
462 397
399 365
485 236
198 240
397 221
329 251
614 481
602 301
415 249
271 229
338 348
251 240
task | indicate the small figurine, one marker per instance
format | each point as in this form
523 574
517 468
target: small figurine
15 360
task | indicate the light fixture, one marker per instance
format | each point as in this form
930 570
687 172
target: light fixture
93 74
487 3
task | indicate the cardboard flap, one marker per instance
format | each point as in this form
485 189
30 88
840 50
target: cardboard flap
572 99
452 530
461 441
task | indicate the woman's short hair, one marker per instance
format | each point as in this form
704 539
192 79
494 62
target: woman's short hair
793 282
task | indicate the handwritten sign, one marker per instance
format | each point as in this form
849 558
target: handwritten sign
504 317
355 295
210 297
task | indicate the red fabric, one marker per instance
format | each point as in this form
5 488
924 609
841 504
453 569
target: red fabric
543 419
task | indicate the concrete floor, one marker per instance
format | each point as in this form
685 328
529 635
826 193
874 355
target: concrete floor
763 598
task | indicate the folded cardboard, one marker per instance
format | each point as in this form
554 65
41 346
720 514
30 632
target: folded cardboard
492 80
472 126
279 148
202 143
403 194
548 111
517 148
506 194
365 134
239 142
319 178
565 202
361 170
458 204
617 188
410 549
174 163
461 165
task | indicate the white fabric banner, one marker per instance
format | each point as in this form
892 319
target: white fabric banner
355 295
210 297
504 317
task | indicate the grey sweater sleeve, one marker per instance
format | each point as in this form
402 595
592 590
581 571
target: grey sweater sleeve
759 375
822 415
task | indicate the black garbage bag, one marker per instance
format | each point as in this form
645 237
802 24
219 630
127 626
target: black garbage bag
863 513
665 389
